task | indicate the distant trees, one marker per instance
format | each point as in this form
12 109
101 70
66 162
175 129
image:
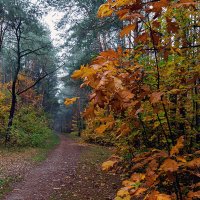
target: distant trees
84 35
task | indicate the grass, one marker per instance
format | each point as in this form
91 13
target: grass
43 151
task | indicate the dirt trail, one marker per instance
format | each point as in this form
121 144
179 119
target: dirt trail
55 176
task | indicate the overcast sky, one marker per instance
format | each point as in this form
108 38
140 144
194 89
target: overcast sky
51 19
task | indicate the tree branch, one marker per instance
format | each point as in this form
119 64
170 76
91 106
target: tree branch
31 51
38 80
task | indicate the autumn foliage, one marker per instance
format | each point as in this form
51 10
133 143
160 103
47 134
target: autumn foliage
145 98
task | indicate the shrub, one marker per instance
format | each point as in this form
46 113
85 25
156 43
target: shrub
30 128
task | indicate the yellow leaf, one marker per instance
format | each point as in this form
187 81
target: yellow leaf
69 101
77 74
101 129
120 3
108 165
126 30
124 193
181 159
104 11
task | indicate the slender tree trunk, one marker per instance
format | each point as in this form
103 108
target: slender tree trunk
11 115
14 82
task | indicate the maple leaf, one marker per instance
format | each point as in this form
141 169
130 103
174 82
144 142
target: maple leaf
169 165
127 30
179 145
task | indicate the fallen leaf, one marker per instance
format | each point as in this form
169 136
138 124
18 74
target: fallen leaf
108 165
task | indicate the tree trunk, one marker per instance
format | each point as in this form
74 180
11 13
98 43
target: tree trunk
11 115
14 82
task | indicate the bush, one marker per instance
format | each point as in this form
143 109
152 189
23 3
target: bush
30 128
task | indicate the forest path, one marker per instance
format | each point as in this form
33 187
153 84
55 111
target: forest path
67 174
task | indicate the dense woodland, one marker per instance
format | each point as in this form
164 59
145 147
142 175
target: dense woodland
132 83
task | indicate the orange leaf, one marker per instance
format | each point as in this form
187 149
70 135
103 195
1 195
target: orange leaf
126 95
101 129
194 194
140 191
169 165
155 195
109 54
127 30
89 112
137 177
142 38
179 145
195 163
124 130
163 197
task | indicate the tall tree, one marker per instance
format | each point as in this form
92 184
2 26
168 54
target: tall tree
25 39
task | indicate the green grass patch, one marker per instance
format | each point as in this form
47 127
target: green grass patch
43 151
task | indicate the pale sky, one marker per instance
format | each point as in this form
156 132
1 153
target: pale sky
51 19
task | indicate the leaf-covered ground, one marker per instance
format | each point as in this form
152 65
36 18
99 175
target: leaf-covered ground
71 171
13 165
